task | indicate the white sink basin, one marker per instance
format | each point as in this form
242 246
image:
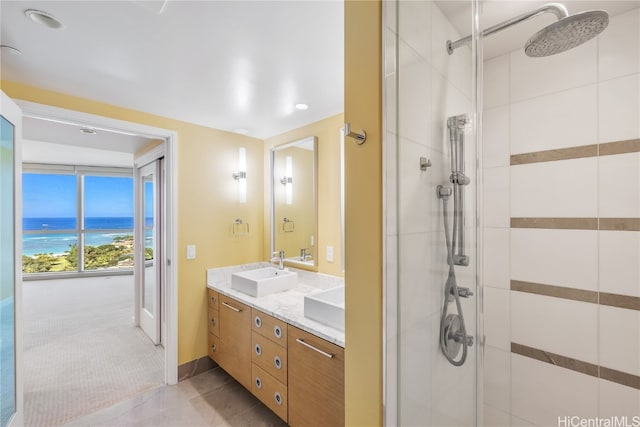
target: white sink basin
326 307
263 281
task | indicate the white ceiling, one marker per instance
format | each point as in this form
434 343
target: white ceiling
494 12
224 64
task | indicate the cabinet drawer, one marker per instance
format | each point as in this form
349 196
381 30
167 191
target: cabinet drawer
214 346
213 299
234 354
269 327
316 380
270 391
214 322
270 357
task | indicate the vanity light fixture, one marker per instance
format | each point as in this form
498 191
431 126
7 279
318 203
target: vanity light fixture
287 180
241 175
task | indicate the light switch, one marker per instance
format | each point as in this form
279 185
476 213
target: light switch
191 251
330 253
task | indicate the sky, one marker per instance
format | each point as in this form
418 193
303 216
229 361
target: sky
54 196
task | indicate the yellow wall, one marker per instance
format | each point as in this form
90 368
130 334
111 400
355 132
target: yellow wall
363 165
207 203
328 133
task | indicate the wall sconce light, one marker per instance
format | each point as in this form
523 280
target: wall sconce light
287 180
241 175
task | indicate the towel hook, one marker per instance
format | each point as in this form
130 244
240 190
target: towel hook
359 138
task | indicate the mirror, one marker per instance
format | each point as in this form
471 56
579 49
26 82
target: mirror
294 201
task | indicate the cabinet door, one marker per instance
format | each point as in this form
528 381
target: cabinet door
316 380
234 354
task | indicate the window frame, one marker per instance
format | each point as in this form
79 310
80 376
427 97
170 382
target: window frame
80 231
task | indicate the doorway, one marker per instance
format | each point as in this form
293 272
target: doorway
161 275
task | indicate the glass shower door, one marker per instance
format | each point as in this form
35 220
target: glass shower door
430 203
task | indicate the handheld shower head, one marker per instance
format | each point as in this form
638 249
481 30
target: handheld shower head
567 33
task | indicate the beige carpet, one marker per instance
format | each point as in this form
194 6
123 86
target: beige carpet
82 352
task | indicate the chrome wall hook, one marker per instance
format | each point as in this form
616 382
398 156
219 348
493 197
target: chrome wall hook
424 163
359 138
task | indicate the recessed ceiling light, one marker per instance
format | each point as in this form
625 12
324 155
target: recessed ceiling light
88 131
302 106
43 18
241 131
10 50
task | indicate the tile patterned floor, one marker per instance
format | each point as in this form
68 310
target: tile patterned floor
212 398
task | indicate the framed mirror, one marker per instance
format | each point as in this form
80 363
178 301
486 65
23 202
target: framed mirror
294 201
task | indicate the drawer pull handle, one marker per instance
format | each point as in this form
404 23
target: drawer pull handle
258 322
277 331
277 362
213 320
237 310
213 300
258 350
258 383
213 347
324 353
278 398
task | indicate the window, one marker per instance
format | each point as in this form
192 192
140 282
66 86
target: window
77 219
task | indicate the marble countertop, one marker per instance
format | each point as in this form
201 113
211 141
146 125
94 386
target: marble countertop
287 306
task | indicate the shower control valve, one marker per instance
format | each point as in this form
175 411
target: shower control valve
460 338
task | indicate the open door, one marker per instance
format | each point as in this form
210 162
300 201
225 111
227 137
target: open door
11 380
150 270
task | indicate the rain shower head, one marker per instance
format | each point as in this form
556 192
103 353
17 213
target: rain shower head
567 33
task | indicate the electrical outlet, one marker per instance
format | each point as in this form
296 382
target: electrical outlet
191 251
330 253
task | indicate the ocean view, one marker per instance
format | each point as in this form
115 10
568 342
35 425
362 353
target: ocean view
46 242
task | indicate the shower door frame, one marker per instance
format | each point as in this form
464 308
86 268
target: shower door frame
390 295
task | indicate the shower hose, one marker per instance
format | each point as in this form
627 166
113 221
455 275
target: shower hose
451 288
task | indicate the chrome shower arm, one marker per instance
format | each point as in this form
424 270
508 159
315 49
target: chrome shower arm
559 10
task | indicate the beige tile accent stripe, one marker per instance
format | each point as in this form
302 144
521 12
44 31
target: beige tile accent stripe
607 224
555 359
619 147
606 149
552 155
556 223
576 365
620 224
620 377
593 297
621 301
555 291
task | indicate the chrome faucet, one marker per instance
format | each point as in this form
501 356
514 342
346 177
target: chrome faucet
279 258
303 254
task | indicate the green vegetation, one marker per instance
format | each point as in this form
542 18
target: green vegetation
118 254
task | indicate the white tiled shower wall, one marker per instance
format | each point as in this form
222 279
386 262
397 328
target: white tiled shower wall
589 95
425 86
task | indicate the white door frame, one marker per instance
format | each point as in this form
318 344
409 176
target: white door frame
47 112
12 113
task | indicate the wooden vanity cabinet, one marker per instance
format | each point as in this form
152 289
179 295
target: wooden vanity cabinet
316 380
299 376
234 348
269 362
213 321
